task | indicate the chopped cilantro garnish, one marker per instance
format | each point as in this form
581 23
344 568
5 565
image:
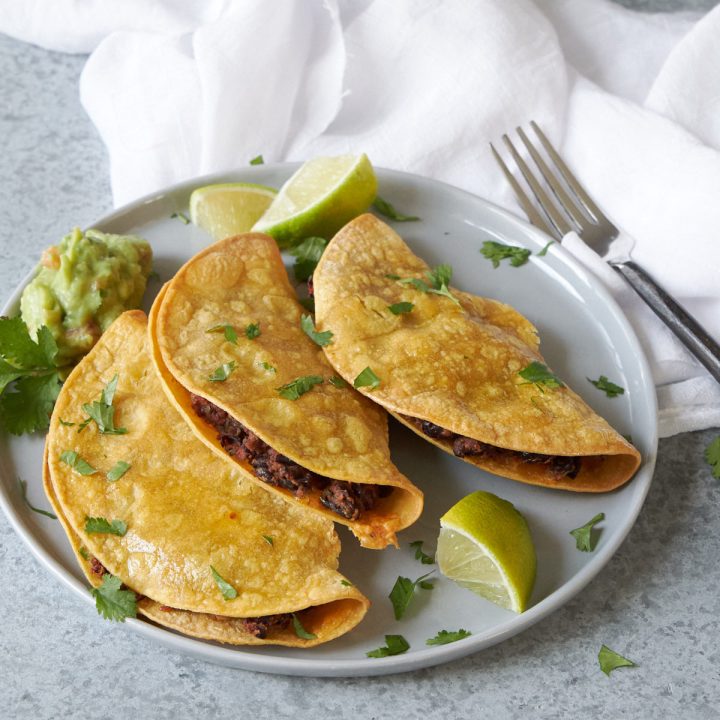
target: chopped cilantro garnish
308 254
448 636
420 555
389 211
300 631
436 281
83 424
391 276
268 367
227 590
118 470
495 252
84 553
71 458
320 338
403 592
112 602
346 583
184 219
29 381
609 388
293 390
23 491
103 412
102 526
712 457
400 308
269 539
222 373
337 381
227 330
394 645
543 252
367 378
538 374
252 331
66 423
585 539
257 160
609 660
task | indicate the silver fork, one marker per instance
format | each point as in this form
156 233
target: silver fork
574 210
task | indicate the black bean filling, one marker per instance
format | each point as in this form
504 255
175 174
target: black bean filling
261 626
560 466
347 499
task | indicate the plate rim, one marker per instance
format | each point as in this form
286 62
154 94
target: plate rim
237 656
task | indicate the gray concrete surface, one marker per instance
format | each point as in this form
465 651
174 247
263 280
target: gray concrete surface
657 601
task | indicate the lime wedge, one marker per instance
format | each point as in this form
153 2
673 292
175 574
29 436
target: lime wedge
323 195
485 546
229 208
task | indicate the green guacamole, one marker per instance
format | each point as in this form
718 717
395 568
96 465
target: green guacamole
82 285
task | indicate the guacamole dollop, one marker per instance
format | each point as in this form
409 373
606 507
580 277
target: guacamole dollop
82 285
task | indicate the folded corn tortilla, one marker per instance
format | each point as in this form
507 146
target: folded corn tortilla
333 432
186 510
454 367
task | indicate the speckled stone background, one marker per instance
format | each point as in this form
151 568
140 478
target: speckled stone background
657 601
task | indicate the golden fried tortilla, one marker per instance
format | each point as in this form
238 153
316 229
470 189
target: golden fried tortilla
186 510
331 431
456 366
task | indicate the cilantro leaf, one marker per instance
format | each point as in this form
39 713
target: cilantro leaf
269 539
367 378
71 458
319 338
337 381
585 539
101 526
389 211
66 423
538 374
300 631
400 308
21 351
222 373
420 555
448 636
227 330
268 367
103 412
394 645
417 283
543 252
712 457
227 590
112 602
184 219
27 404
403 592
346 583
8 373
609 388
293 390
610 660
118 470
23 491
252 331
308 254
257 160
84 553
495 252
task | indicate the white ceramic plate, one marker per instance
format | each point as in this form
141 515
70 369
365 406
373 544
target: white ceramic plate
584 334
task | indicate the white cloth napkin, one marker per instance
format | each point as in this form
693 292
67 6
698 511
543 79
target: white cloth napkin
632 100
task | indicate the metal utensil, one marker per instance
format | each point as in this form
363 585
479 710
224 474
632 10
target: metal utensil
574 211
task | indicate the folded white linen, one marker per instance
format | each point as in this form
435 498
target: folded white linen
182 89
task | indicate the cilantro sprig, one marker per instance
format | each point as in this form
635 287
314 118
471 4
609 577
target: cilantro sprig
436 282
102 411
404 590
610 660
495 252
609 388
585 539
424 558
99 525
112 602
226 589
71 458
388 210
367 378
323 339
712 457
29 377
394 645
307 254
539 375
23 491
293 390
448 636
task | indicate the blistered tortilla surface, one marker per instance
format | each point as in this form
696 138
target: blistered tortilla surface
185 508
454 365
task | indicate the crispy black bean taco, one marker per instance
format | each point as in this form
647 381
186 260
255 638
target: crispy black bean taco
145 504
234 346
462 371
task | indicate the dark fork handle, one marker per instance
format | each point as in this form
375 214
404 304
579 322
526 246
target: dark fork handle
690 333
